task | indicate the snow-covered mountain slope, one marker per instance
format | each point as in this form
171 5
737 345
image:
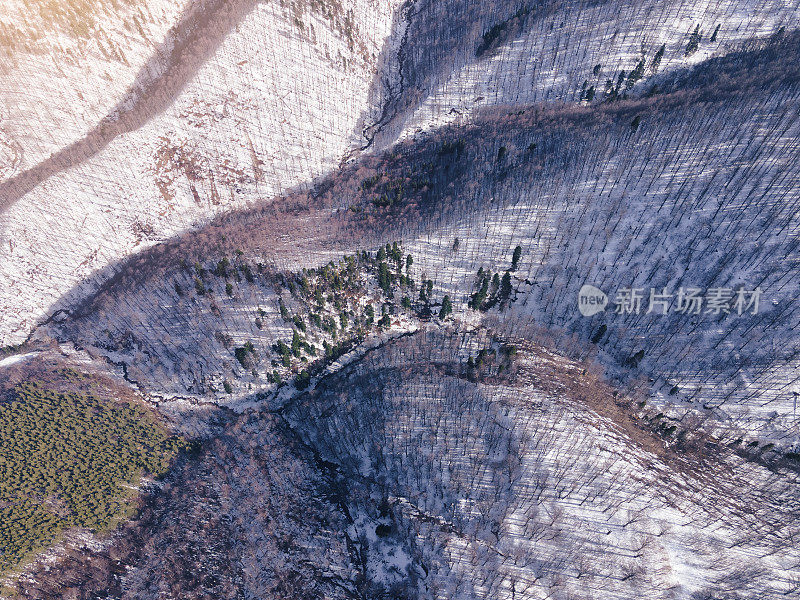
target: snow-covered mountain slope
464 55
364 226
249 516
256 100
696 187
65 66
508 486
410 475
134 125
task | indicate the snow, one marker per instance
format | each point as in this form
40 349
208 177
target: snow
500 491
271 111
541 491
559 50
16 359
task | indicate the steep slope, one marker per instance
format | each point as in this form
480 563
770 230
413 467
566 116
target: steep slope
66 66
249 516
591 195
462 55
248 102
411 475
260 98
342 244
501 483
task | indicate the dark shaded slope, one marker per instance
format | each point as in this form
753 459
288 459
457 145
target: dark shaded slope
498 487
440 38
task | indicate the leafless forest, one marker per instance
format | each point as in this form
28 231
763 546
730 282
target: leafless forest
337 246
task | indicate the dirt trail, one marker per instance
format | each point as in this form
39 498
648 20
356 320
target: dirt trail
190 42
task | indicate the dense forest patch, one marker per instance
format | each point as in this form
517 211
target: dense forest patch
71 460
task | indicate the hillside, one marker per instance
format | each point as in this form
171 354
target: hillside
410 475
214 120
587 196
343 247
241 102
